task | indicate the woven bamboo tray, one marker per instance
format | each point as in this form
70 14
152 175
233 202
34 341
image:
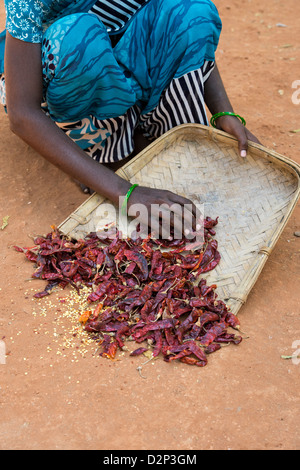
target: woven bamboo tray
253 198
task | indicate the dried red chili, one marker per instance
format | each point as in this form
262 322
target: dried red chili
140 261
139 351
143 290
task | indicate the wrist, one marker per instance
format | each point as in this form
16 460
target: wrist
120 190
224 115
124 207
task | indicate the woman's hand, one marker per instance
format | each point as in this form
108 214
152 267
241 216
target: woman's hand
163 212
233 126
217 101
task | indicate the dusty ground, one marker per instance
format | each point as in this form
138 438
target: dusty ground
58 397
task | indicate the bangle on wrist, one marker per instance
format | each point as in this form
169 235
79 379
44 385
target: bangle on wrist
216 116
125 202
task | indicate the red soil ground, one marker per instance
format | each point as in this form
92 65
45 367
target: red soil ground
58 397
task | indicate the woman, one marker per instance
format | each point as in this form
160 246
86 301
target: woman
111 76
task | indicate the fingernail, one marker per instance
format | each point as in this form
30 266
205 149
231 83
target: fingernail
198 227
243 153
187 232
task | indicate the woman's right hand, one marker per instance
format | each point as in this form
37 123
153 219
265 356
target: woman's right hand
164 212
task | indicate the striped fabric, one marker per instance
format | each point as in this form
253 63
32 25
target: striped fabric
181 103
117 133
114 14
2 91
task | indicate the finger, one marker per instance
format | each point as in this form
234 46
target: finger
85 189
183 201
239 132
191 213
243 144
186 214
159 228
252 137
183 215
196 210
169 221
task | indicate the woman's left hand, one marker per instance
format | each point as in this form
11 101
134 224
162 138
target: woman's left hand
233 126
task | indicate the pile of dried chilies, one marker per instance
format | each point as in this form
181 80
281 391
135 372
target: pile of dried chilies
146 290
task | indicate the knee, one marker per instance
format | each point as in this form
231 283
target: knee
68 39
166 5
76 25
195 19
189 9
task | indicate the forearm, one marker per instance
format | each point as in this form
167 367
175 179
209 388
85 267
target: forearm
215 94
42 134
24 92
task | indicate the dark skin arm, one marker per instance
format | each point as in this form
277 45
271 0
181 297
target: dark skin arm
217 101
28 121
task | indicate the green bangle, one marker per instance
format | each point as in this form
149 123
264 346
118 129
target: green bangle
124 205
216 116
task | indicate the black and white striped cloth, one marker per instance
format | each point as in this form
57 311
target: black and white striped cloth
115 14
181 103
117 135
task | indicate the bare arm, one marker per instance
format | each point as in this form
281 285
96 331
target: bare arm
29 122
217 101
